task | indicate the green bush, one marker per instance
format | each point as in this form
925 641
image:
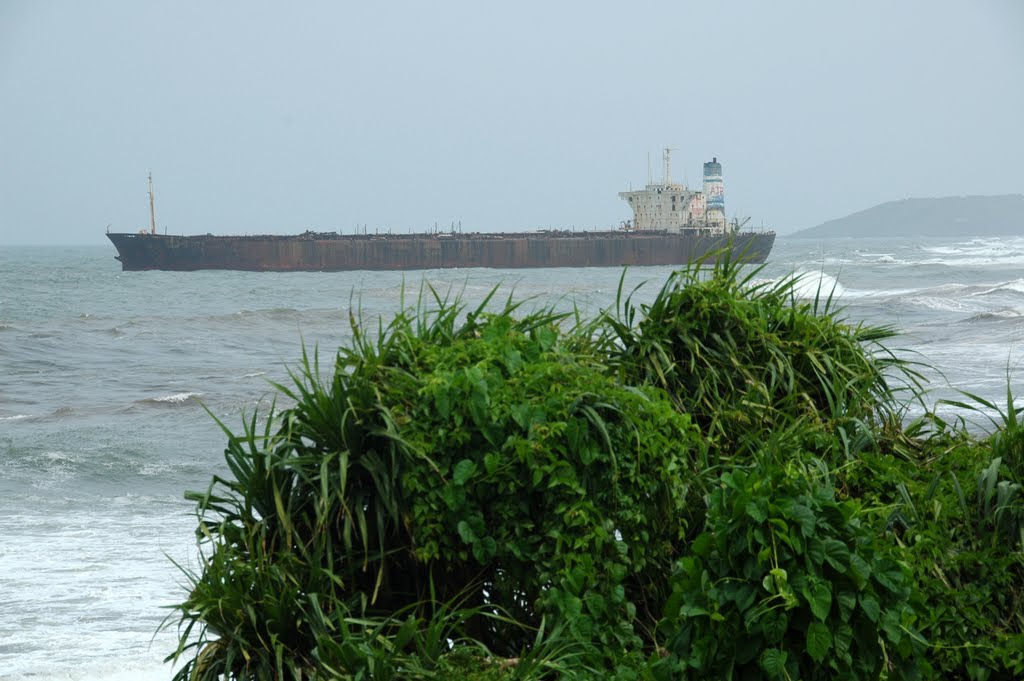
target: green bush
483 463
746 358
785 583
957 515
719 484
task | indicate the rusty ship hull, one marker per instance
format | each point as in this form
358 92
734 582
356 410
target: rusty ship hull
331 252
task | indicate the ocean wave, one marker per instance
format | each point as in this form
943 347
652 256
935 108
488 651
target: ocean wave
977 252
1017 259
15 417
811 284
964 292
949 289
174 399
995 316
55 415
877 258
53 468
928 300
1015 287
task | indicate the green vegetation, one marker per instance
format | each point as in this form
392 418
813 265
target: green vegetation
719 484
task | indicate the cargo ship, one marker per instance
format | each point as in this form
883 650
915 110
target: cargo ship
671 225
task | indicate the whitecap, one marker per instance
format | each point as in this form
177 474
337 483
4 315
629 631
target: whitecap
1015 286
175 398
817 284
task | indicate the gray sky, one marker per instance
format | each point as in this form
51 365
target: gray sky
260 117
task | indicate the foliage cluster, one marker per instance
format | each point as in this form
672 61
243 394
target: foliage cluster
785 582
718 484
748 358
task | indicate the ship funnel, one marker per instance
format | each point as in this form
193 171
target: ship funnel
714 192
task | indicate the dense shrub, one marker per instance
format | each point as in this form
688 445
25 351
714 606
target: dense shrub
785 582
746 358
957 514
484 464
718 484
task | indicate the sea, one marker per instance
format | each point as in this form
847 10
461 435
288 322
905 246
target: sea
110 382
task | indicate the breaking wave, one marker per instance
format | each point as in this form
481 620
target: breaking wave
811 284
174 399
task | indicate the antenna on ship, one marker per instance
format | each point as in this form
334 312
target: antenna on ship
649 167
667 158
152 210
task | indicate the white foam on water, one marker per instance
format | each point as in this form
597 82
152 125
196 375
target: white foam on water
56 467
1015 286
977 253
95 577
140 669
808 285
178 398
942 303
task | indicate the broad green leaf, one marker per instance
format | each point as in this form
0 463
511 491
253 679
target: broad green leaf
773 662
757 511
841 639
491 462
836 554
802 515
466 532
890 623
859 570
891 577
819 598
484 549
816 550
774 624
847 601
870 607
464 470
819 640
595 603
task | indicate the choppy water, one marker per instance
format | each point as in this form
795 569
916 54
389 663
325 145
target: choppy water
103 377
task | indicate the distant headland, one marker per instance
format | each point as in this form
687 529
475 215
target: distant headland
1001 215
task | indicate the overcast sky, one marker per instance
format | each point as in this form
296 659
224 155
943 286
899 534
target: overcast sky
260 117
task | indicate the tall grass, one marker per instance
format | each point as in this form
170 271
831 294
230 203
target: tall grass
747 356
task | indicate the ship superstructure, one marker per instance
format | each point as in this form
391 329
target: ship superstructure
673 207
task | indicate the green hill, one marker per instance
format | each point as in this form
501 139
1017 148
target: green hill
947 216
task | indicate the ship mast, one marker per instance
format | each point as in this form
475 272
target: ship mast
667 158
152 210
